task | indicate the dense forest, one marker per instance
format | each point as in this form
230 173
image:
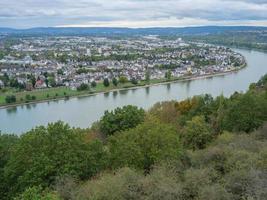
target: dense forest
202 148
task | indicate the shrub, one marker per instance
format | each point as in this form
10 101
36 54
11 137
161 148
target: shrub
83 87
10 99
93 84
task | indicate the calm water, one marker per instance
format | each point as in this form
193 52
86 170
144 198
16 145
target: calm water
82 112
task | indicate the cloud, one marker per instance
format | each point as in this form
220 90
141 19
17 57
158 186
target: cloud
131 13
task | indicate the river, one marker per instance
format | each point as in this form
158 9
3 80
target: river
83 111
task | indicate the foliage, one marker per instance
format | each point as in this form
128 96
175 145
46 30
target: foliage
245 113
166 112
147 76
83 87
196 134
168 75
6 144
36 193
134 81
52 82
263 81
121 119
45 153
123 79
106 82
114 81
196 149
144 146
203 179
10 99
93 84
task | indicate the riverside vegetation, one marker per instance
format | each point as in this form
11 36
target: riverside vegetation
201 148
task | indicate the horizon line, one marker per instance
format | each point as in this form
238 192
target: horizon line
126 27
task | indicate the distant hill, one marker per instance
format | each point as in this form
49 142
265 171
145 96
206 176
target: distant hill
103 31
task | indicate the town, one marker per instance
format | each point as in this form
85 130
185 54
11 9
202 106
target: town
32 63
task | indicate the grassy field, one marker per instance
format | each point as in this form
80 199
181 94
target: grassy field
63 92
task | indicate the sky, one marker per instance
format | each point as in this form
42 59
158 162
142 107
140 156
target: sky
131 13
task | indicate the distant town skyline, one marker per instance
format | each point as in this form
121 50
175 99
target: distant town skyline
131 13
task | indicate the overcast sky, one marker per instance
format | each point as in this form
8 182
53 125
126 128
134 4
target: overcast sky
131 13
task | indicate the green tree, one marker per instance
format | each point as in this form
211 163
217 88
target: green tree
36 193
10 99
46 82
168 75
147 76
33 97
106 82
33 80
52 82
143 146
121 119
196 134
115 82
123 79
28 97
245 112
83 87
6 144
93 84
134 81
60 71
43 154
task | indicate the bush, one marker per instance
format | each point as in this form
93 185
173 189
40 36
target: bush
134 81
10 99
28 97
93 84
83 87
123 79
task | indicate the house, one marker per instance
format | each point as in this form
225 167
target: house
40 84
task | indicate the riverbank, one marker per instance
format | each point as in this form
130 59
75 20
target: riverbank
62 93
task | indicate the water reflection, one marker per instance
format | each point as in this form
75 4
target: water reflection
28 106
133 90
106 94
147 90
115 94
168 87
11 110
124 92
187 86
